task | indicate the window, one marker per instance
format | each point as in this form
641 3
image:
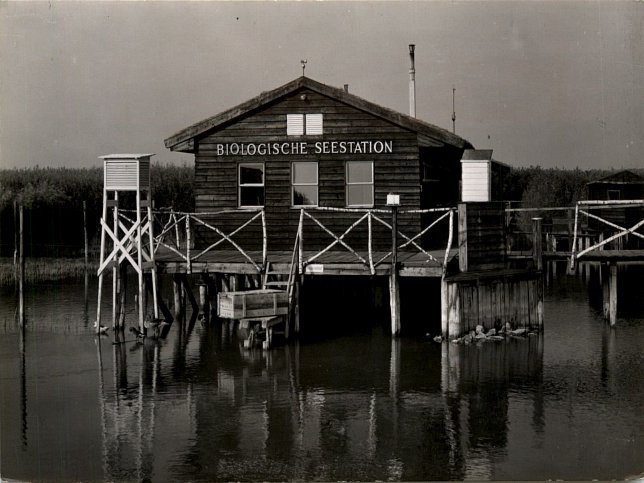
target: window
304 178
299 124
614 194
251 184
360 183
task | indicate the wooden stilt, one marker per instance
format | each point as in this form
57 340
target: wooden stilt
225 286
394 288
203 299
115 270
139 261
188 291
122 295
537 246
86 249
605 281
444 309
297 303
176 291
21 270
155 302
101 260
394 304
612 312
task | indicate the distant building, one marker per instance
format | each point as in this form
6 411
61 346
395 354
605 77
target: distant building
624 185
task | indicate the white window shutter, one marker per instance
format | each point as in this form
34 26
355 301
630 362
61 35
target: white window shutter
314 124
294 124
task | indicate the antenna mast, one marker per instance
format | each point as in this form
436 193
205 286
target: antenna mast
453 110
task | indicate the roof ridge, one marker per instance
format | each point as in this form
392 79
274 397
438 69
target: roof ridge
265 97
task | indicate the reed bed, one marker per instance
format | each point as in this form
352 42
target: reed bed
44 269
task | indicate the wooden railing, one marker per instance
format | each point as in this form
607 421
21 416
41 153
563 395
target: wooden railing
582 239
367 217
620 230
175 223
176 233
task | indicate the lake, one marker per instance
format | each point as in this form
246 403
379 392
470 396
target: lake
357 405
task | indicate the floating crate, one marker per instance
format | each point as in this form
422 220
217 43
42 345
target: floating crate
252 303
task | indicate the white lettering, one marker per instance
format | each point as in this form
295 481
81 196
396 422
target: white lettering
302 148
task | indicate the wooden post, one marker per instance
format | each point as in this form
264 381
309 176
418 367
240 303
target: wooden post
574 241
537 247
16 243
604 272
101 259
115 270
297 303
300 234
140 260
203 299
122 295
444 309
188 241
155 302
462 237
613 294
176 291
21 270
85 234
394 292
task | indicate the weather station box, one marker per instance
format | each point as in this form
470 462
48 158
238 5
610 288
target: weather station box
126 172
252 304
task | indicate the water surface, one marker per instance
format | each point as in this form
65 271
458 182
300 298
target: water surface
356 406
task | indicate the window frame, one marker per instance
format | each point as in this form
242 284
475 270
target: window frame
347 183
250 185
316 184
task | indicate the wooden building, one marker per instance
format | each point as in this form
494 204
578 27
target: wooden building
307 144
623 185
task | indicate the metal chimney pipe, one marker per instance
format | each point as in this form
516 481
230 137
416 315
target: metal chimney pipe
412 82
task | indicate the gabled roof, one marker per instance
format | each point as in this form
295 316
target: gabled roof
178 140
621 177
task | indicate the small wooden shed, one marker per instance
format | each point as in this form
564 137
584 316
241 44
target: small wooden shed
482 177
623 185
306 145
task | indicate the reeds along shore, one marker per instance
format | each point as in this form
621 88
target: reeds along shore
38 270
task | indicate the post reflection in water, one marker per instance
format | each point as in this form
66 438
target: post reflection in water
23 387
354 406
289 413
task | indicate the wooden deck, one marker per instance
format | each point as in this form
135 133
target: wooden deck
600 256
411 264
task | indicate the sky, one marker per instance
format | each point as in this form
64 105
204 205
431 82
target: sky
552 84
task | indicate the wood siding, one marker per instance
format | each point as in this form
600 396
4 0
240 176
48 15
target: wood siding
481 236
216 177
494 301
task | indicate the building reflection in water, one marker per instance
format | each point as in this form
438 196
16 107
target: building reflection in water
198 406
